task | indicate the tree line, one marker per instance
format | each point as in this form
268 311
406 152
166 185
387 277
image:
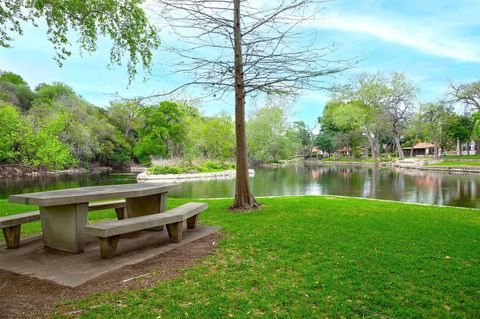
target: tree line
376 114
53 127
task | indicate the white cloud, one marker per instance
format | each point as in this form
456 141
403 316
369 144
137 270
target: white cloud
428 38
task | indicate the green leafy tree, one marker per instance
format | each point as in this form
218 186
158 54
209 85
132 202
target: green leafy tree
12 78
124 22
14 90
398 103
47 93
9 131
345 123
366 92
435 117
211 137
305 136
50 152
270 135
162 132
126 116
459 130
415 131
326 142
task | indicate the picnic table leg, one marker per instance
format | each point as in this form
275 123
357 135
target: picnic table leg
147 205
62 226
192 221
175 232
108 246
12 236
121 212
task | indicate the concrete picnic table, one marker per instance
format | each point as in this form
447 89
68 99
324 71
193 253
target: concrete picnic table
63 213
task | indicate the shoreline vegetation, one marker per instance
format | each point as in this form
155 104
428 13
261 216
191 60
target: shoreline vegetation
466 164
186 170
396 251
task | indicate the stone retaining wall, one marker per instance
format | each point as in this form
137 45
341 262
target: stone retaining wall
215 175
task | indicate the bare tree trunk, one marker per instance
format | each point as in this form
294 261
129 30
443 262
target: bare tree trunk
373 146
398 146
436 150
244 199
459 147
477 147
413 144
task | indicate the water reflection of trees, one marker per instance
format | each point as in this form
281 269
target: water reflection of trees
310 179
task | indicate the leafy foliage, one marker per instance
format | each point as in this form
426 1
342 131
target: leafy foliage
204 167
270 136
124 22
210 137
9 127
162 132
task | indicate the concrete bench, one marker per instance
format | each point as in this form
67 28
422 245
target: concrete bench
11 225
109 232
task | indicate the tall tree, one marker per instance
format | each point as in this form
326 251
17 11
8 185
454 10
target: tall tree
366 93
435 117
459 130
469 95
271 136
305 137
247 46
399 104
163 129
123 21
415 130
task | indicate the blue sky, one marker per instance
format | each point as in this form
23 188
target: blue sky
431 41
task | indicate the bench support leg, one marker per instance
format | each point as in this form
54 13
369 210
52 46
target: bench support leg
12 236
121 212
192 221
175 232
108 246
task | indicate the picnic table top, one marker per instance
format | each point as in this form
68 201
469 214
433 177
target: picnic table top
88 194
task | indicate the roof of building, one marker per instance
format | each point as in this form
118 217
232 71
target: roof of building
422 145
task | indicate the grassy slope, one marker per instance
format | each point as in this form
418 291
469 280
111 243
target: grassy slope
472 156
320 257
457 164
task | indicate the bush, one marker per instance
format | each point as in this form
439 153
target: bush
185 168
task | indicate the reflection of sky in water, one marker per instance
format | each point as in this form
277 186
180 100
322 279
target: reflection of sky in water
307 179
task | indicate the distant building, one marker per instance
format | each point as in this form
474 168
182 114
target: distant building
344 151
420 149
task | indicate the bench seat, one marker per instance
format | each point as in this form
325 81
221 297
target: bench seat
11 225
109 232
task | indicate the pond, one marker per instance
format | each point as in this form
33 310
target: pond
303 179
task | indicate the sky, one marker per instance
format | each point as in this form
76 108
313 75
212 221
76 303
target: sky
433 42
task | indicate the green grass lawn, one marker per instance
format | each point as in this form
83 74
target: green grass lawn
473 156
456 164
317 257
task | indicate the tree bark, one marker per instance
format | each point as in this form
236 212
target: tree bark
398 146
413 145
373 146
459 147
436 150
244 199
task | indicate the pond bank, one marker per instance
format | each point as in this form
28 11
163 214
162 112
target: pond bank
17 170
144 176
12 170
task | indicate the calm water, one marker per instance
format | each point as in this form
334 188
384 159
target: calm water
306 179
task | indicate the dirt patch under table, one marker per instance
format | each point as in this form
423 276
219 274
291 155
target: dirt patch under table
22 296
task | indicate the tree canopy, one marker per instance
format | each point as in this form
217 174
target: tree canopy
122 21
